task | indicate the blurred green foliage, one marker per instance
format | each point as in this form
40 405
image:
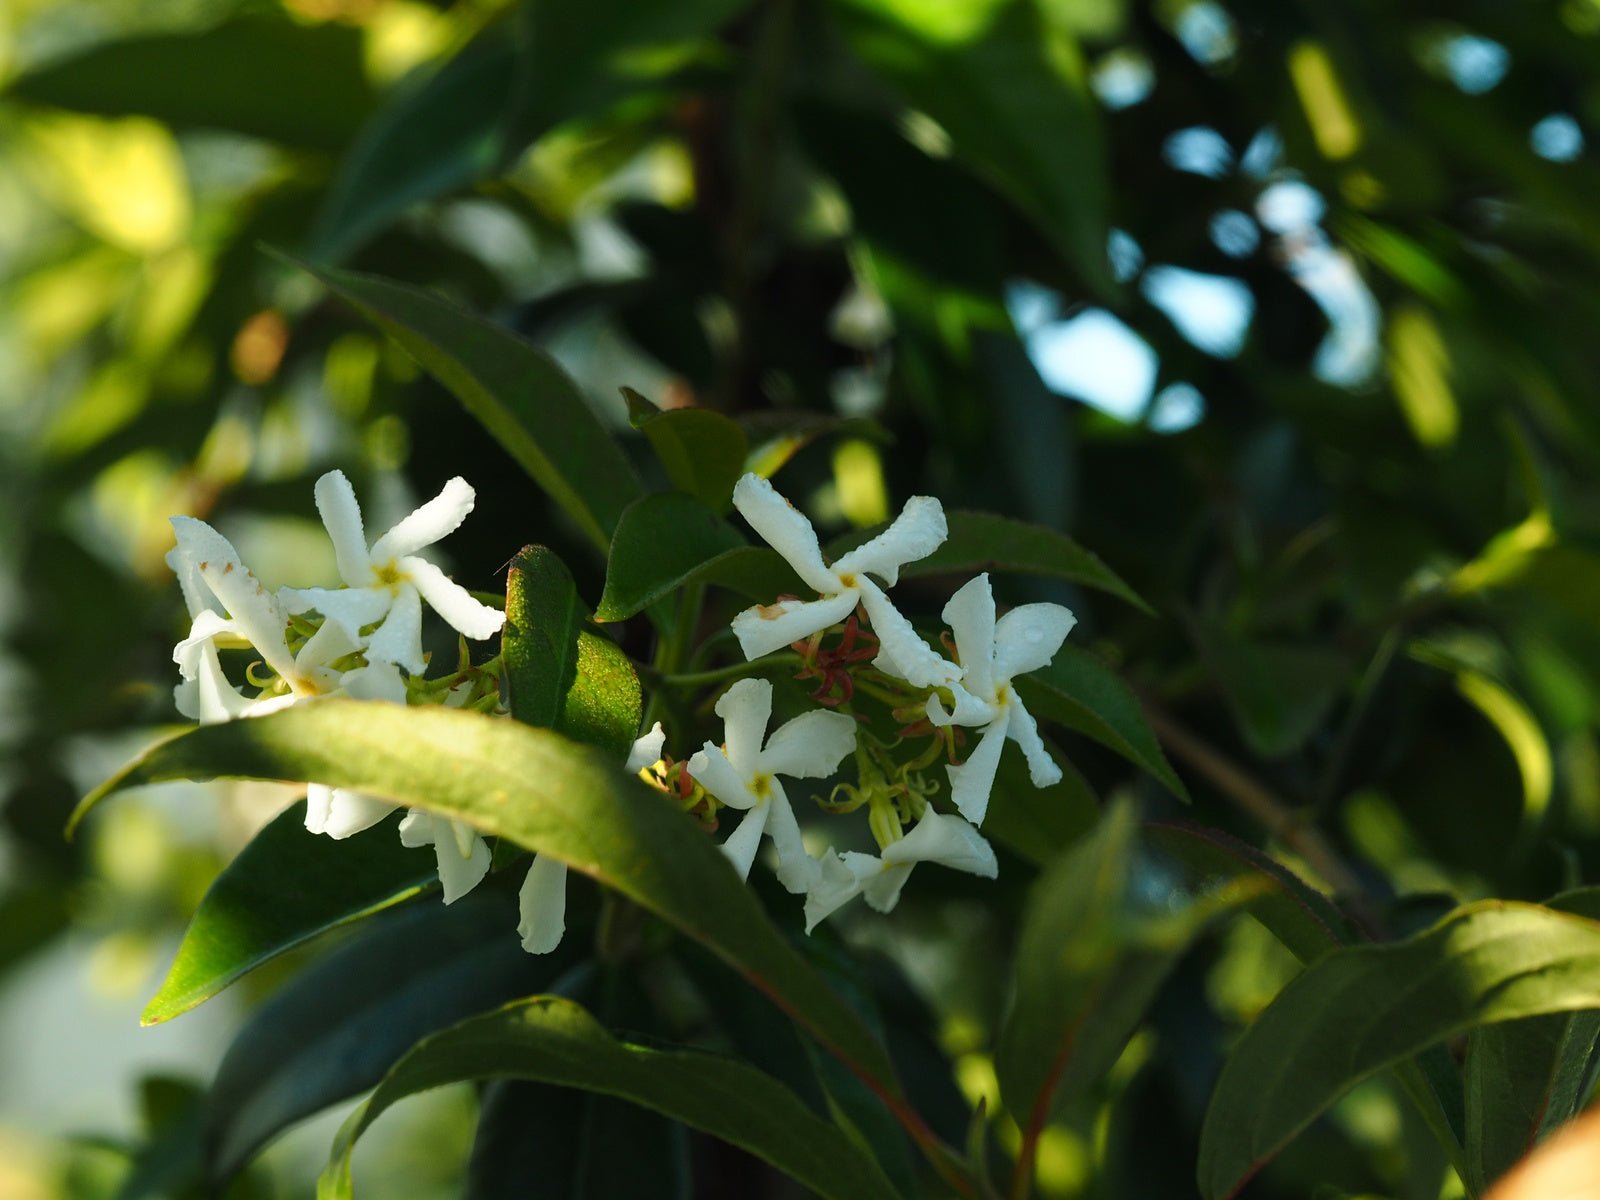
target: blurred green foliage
1328 272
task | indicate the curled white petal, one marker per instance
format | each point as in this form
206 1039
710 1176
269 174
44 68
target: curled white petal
1042 769
376 681
646 749
917 532
216 699
399 639
452 601
196 596
1028 637
542 905
948 841
785 529
836 884
348 812
341 517
745 709
882 888
811 746
901 651
256 613
351 608
743 842
207 626
970 615
459 873
416 829
712 771
763 628
971 783
797 870
436 519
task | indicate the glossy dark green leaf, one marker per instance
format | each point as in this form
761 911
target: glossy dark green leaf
663 543
541 791
1361 1009
558 673
577 57
522 397
1279 693
232 77
981 541
1079 691
1013 96
168 1164
555 1041
1525 1078
286 887
433 138
1104 925
702 451
332 1031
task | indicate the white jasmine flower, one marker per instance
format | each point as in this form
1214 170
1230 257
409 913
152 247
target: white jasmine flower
992 654
743 774
463 856
949 841
388 582
542 900
917 532
227 601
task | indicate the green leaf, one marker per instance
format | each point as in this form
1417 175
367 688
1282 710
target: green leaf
522 397
558 673
981 541
1526 1077
578 57
428 141
541 791
231 77
555 1041
333 1030
1361 1009
702 451
286 887
670 541
1104 925
1079 691
1279 693
1012 96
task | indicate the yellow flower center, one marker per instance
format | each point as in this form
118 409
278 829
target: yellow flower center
761 786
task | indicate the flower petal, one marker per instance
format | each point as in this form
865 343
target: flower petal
416 828
377 681
917 532
341 517
208 624
745 709
785 529
1042 769
811 746
835 886
351 608
763 628
901 652
196 596
460 872
971 782
970 615
646 751
332 641
542 905
797 870
1028 636
436 519
946 840
399 639
742 844
319 801
256 613
217 699
712 771
350 812
452 601
882 888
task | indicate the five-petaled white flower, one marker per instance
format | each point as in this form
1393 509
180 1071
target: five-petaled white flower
937 838
462 855
993 653
917 532
388 582
542 900
744 774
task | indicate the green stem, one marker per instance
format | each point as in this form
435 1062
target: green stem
731 671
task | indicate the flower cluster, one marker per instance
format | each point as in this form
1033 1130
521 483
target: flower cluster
941 695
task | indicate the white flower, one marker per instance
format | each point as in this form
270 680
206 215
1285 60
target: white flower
389 582
227 601
542 900
916 533
992 654
743 775
463 856
936 838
